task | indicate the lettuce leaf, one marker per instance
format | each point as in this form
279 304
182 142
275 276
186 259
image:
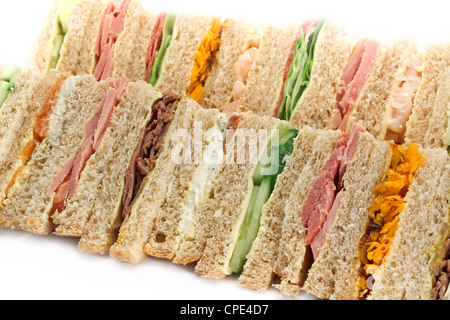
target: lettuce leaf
300 72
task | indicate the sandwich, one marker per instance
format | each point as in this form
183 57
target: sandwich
404 250
95 37
232 209
161 205
428 123
17 122
51 134
196 56
293 64
90 201
330 177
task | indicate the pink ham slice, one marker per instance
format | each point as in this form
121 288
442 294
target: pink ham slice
328 189
155 44
304 28
353 80
65 183
113 23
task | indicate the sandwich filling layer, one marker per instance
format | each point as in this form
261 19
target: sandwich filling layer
8 82
64 13
242 68
403 99
205 59
41 127
112 25
385 211
443 276
353 80
212 158
65 183
148 149
160 40
264 178
298 70
323 201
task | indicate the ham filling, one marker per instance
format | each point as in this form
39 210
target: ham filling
242 68
322 203
147 152
353 80
113 23
65 183
305 27
403 100
155 44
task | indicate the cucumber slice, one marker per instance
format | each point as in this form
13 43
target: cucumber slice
168 35
54 58
4 91
249 229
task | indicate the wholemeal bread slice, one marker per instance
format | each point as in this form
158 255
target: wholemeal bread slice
230 194
408 271
371 108
265 80
317 103
312 149
429 120
366 170
131 47
165 189
77 55
176 222
189 31
29 201
17 119
94 212
221 79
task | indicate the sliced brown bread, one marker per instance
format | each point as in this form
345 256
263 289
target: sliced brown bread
132 44
265 80
317 104
428 122
408 271
312 149
229 195
30 201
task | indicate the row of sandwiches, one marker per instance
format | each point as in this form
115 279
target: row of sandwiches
292 157
312 74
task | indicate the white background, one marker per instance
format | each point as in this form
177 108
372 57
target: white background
36 267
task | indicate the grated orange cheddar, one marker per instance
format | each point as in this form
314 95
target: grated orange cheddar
203 59
387 206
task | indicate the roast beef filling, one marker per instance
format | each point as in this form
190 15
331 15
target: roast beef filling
443 277
149 147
